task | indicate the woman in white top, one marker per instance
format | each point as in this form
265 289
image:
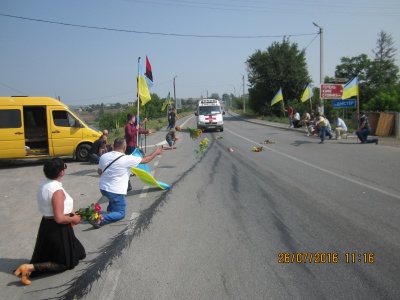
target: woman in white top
57 249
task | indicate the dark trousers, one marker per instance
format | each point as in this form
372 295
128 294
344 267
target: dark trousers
129 150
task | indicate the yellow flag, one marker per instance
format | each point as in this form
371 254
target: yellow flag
351 89
143 89
308 93
166 102
278 97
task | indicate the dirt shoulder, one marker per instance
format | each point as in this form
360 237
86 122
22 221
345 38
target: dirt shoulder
389 141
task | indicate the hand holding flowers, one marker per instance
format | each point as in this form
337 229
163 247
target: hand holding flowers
194 133
91 213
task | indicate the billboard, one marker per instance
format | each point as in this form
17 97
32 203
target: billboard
331 91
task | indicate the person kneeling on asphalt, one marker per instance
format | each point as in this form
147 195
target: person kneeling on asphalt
364 130
171 138
114 170
98 148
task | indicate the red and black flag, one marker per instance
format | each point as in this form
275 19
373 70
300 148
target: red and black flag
149 73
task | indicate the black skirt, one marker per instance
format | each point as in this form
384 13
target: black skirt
57 243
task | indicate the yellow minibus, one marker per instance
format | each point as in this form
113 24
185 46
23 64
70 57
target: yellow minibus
34 127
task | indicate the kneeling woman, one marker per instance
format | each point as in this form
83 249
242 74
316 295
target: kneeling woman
57 249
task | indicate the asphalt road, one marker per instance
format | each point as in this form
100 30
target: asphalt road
298 220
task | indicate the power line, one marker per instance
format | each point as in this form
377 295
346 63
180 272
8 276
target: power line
157 33
13 88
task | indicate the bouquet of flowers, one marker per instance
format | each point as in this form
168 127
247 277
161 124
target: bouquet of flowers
90 213
202 146
258 149
267 142
194 133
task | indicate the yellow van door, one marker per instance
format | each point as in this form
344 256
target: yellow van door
65 132
12 135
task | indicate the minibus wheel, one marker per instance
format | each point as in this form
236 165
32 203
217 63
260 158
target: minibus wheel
82 153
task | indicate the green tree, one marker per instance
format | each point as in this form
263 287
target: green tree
385 101
383 71
355 66
282 65
215 96
377 78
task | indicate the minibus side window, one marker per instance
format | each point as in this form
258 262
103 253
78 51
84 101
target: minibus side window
63 119
10 118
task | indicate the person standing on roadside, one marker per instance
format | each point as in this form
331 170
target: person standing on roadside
318 110
131 133
364 130
173 116
115 170
169 119
138 123
290 115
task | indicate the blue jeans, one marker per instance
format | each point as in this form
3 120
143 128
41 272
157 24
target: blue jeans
322 133
116 208
290 121
170 142
94 158
363 134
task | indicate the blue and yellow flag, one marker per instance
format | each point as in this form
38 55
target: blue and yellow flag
307 94
351 88
166 102
278 97
143 89
142 171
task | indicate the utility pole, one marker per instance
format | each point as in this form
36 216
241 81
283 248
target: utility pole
175 93
321 62
244 100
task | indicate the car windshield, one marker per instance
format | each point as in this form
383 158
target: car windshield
209 110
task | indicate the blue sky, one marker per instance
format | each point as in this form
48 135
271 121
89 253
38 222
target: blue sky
87 66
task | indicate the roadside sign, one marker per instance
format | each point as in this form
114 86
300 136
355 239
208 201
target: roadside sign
344 103
344 80
331 91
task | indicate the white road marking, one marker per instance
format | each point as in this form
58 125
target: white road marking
110 285
143 194
156 163
321 169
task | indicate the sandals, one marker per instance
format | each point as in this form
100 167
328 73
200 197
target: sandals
96 224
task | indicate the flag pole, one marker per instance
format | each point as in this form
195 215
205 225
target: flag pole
138 100
358 100
145 128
